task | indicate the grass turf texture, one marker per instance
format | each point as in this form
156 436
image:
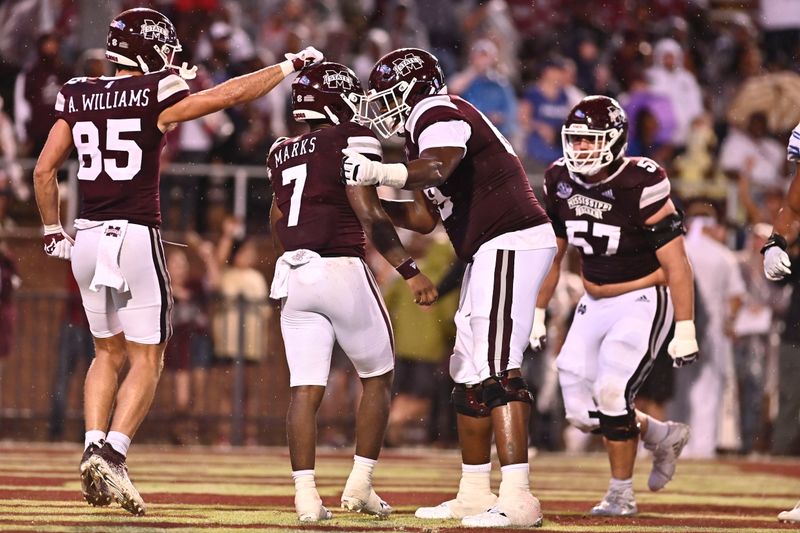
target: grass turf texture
251 490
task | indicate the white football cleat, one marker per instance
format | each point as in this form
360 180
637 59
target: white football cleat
458 508
523 510
792 516
665 455
365 500
616 502
309 506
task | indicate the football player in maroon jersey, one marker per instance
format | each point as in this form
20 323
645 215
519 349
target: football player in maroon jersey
617 211
117 124
777 263
488 209
327 292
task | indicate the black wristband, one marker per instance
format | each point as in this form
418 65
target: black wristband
408 268
775 239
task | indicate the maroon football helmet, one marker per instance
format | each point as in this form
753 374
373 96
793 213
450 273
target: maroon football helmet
142 39
397 82
594 135
329 92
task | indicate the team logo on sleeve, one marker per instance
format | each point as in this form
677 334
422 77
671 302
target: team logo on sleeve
153 30
405 65
563 189
583 205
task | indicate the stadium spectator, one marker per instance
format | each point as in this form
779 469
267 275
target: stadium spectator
35 94
487 88
12 183
542 111
699 394
669 77
74 346
9 284
239 321
189 353
423 339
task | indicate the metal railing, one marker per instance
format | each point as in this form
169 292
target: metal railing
246 386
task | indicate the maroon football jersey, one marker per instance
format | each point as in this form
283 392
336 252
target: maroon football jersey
605 221
488 193
305 172
114 123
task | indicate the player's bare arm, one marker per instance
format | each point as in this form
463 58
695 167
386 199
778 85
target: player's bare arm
418 215
678 270
236 91
380 231
275 214
55 151
787 223
549 284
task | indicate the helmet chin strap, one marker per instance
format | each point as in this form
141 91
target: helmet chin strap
333 118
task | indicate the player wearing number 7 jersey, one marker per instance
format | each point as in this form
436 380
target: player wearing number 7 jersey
617 211
117 125
327 293
496 225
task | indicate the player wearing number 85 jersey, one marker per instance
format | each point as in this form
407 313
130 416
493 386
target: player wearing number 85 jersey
117 124
488 209
617 211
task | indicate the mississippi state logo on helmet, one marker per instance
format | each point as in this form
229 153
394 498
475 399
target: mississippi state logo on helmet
397 81
594 135
144 39
329 92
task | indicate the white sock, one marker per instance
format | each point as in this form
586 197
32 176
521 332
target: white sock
93 436
620 484
119 441
656 431
304 479
515 479
362 470
475 481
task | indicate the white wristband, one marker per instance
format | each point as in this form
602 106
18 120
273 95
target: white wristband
684 329
287 67
52 228
395 175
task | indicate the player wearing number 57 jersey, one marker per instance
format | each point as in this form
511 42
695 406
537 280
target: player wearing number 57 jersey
117 124
617 212
328 294
464 172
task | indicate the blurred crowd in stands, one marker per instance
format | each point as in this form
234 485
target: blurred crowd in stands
711 89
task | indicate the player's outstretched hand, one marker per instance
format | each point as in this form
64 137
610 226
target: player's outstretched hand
57 243
776 263
425 292
305 58
358 170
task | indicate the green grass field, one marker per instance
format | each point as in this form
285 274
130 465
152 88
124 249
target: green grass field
251 490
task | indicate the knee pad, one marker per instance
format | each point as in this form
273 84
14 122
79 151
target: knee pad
468 400
619 428
501 389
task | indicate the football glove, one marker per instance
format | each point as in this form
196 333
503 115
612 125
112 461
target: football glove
776 261
359 170
538 337
683 347
57 243
305 58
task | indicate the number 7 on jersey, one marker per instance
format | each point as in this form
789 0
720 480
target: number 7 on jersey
298 175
